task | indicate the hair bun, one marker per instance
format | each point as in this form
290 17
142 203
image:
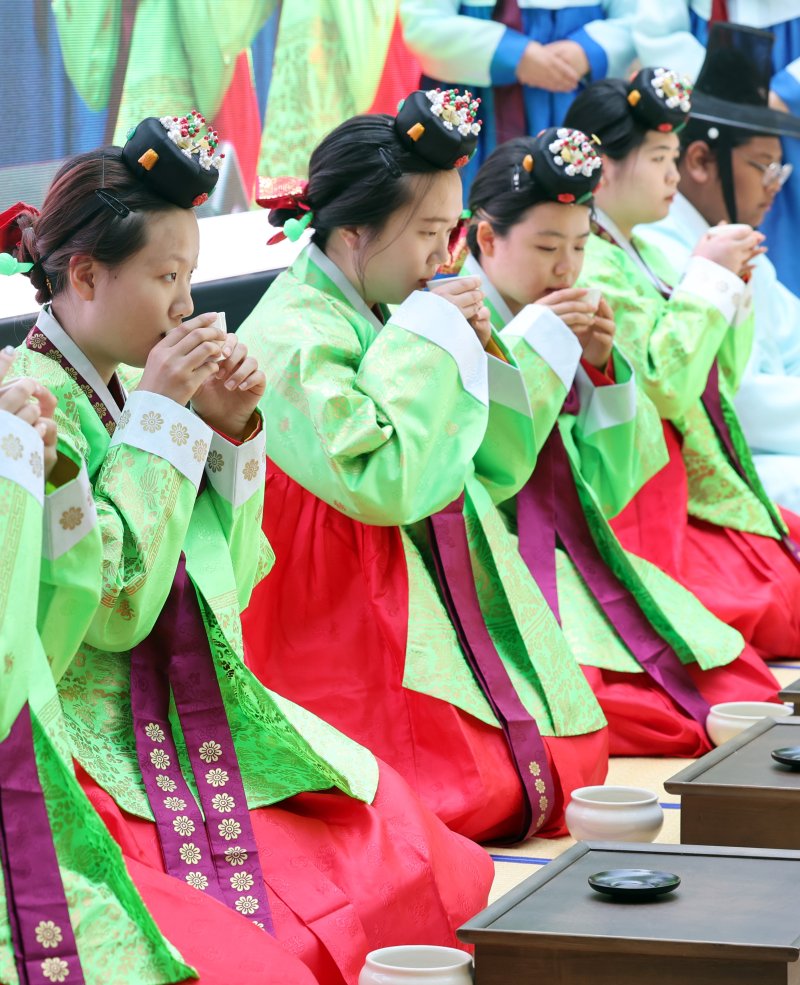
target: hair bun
440 125
660 99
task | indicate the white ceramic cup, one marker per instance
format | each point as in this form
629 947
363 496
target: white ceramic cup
220 322
452 280
726 720
735 227
417 964
614 814
592 297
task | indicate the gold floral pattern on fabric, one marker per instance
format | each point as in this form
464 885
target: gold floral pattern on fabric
179 434
184 826
241 881
229 829
11 447
175 803
71 519
159 759
154 732
48 934
200 450
235 855
250 469
197 880
210 751
223 803
215 461
190 853
151 422
55 969
166 783
217 777
534 768
37 464
247 905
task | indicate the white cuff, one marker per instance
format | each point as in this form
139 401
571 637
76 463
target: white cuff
604 406
237 471
21 455
156 424
507 387
714 284
550 338
440 322
69 514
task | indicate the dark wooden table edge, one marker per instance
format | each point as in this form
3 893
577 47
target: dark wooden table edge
679 782
478 930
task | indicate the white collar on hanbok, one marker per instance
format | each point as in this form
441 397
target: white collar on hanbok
606 222
472 266
686 217
49 327
334 273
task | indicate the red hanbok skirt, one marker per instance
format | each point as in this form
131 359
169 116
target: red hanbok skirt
328 630
342 877
748 581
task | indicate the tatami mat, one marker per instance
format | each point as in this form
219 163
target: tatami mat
512 865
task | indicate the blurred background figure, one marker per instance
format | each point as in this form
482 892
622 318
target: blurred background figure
525 59
675 34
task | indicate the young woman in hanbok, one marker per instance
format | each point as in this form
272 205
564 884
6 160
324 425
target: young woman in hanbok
68 909
271 821
655 657
704 519
404 616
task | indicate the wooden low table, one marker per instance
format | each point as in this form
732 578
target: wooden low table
791 694
734 919
738 795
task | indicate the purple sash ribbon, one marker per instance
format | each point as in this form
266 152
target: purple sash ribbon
712 402
44 943
218 854
453 566
548 507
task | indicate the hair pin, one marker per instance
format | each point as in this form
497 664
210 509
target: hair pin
389 163
112 202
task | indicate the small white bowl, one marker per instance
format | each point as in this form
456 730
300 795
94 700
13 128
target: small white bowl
728 719
614 814
417 964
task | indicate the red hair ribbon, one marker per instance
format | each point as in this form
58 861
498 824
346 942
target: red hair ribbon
10 233
282 193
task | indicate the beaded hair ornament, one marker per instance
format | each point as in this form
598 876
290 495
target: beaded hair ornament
440 125
176 157
660 99
563 163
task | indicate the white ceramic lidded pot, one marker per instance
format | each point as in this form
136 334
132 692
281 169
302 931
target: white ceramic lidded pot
614 814
417 964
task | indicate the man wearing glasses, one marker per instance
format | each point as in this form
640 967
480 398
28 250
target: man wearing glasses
732 171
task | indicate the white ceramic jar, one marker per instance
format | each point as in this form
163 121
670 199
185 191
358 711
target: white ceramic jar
417 964
728 719
614 814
